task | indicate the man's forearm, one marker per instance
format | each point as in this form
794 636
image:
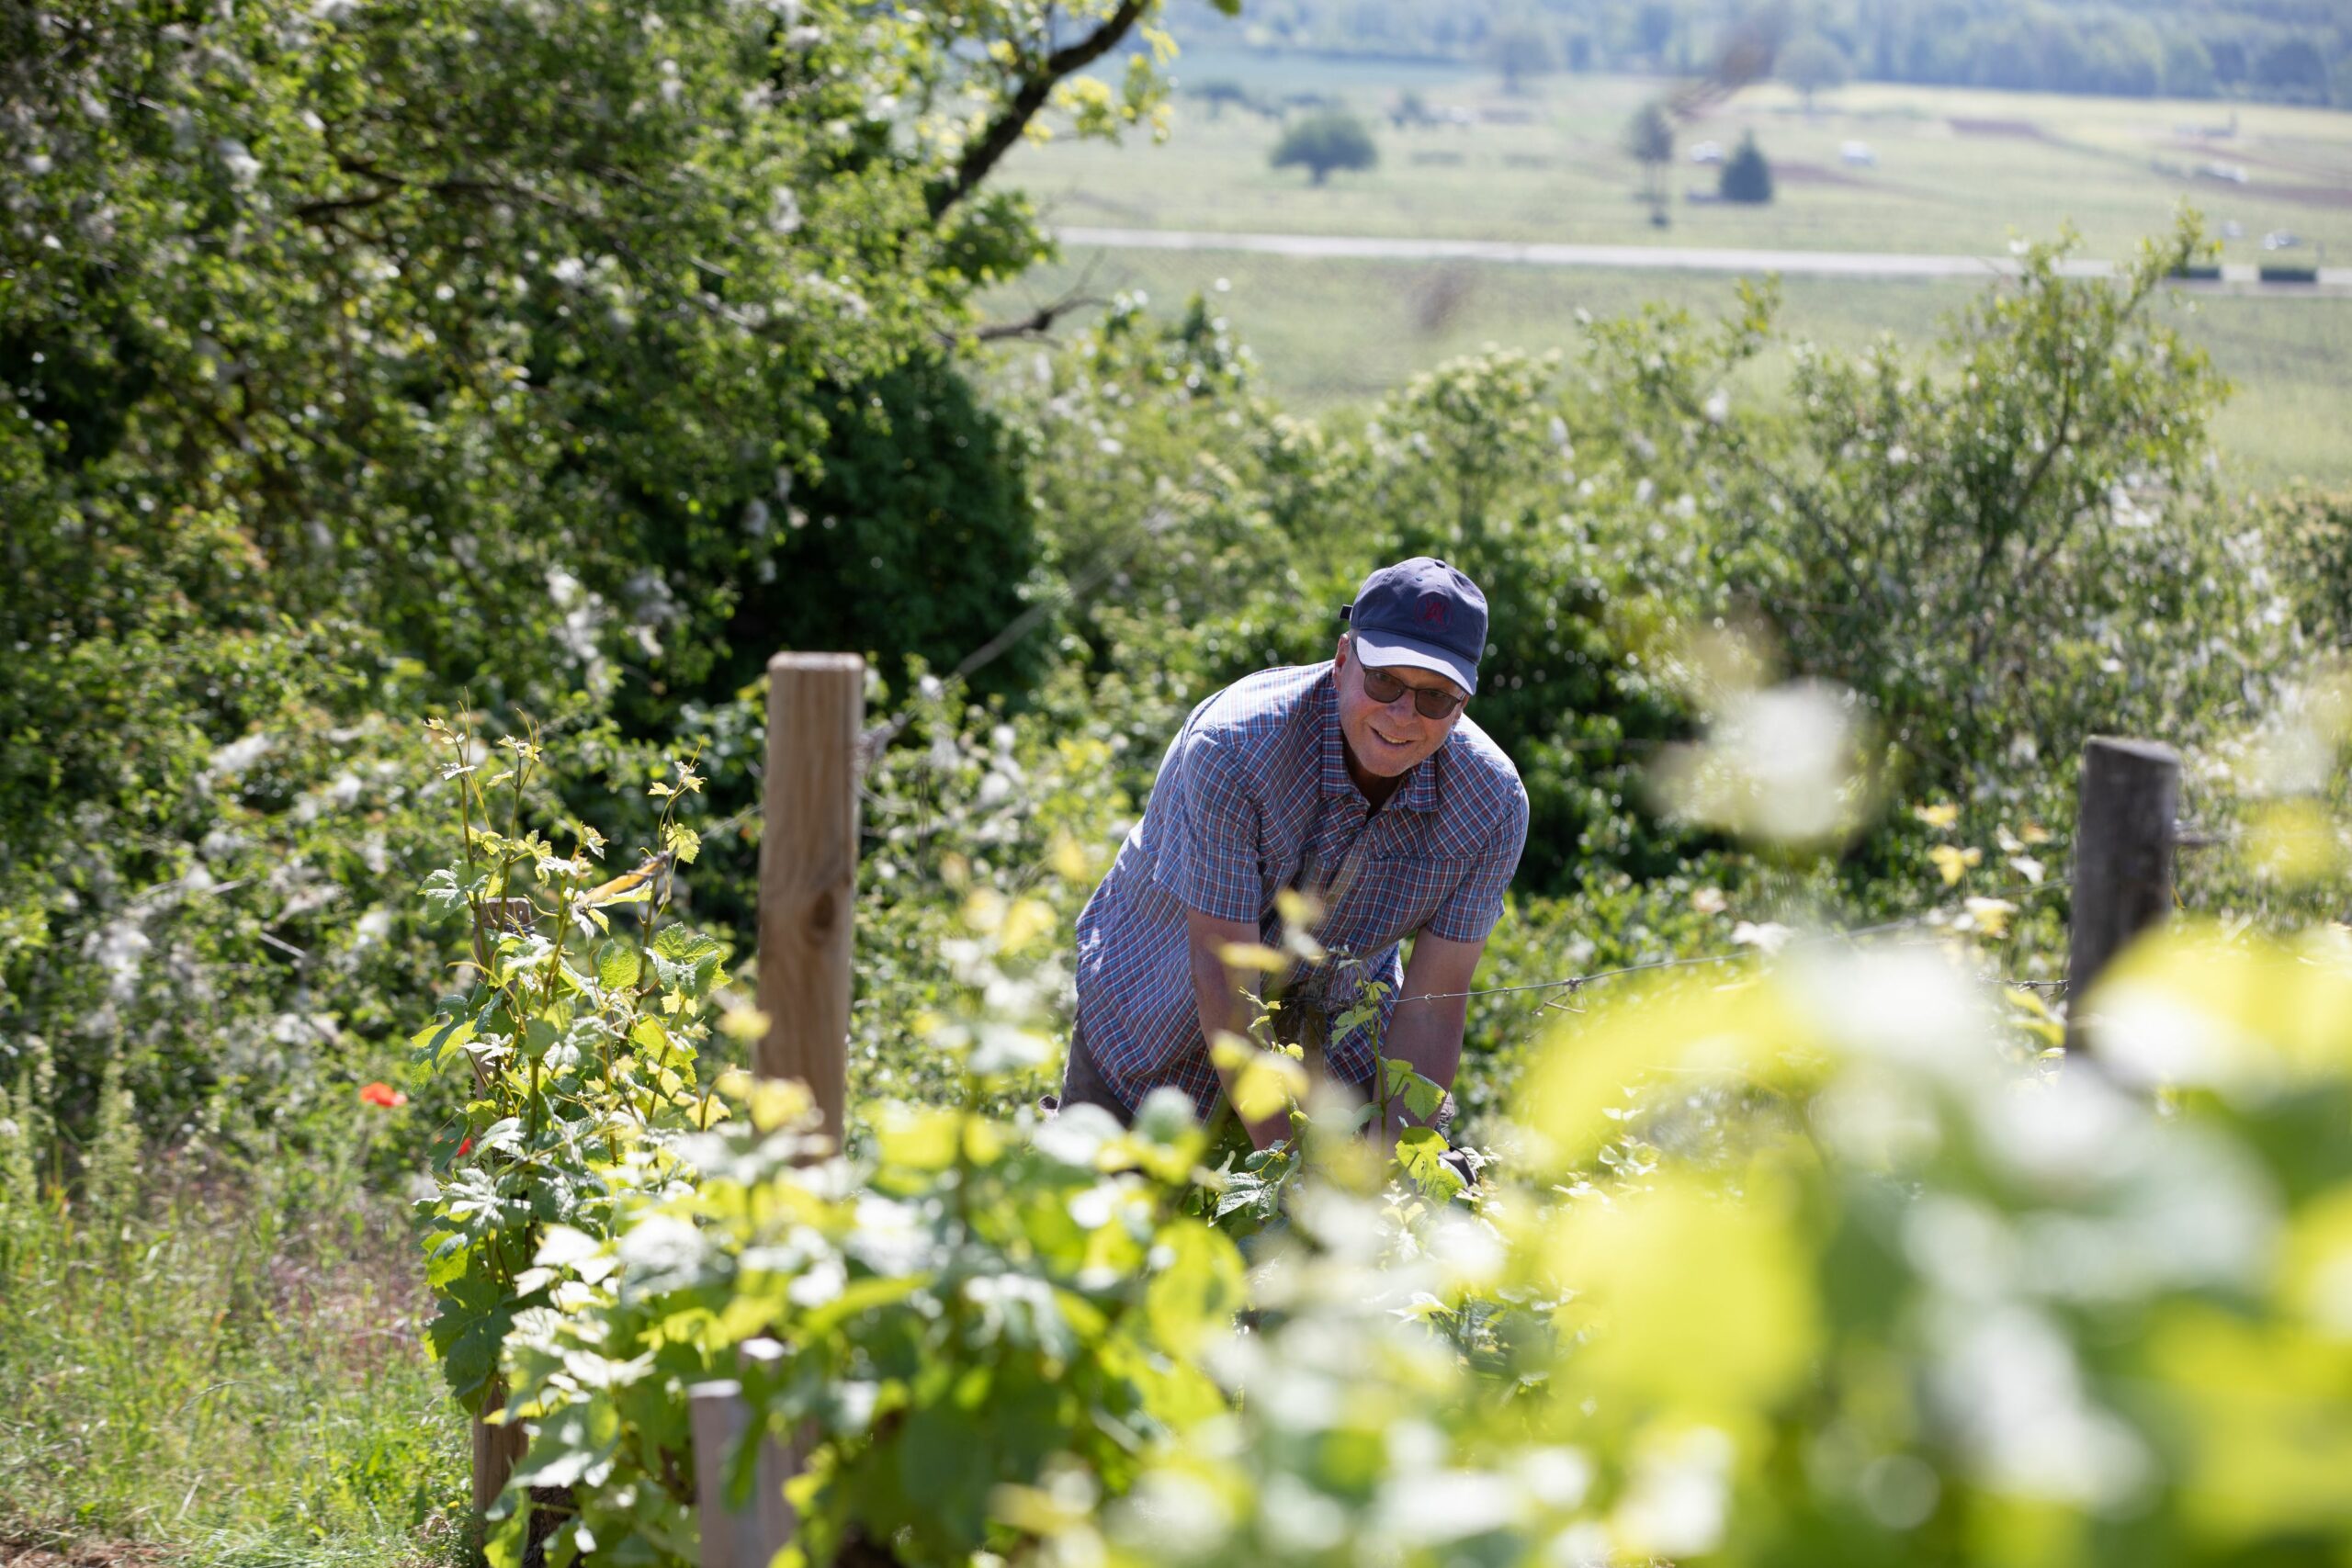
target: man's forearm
1223 1010
1426 1036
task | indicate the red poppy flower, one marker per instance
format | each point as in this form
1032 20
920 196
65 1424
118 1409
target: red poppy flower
383 1094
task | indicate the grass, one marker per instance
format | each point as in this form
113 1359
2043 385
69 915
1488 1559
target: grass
230 1374
1333 335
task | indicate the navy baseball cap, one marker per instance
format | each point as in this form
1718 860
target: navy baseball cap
1422 613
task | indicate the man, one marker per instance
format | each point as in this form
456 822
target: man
1360 782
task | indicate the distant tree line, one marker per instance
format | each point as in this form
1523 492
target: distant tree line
2277 50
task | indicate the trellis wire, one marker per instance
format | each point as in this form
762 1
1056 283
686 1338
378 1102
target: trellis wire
1575 983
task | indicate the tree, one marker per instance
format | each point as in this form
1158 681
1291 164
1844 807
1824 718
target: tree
1220 92
2189 67
1326 139
1813 64
1650 139
1654 26
1747 177
2294 69
352 355
443 301
1522 47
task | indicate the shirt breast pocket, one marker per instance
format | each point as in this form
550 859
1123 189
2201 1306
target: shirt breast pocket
1393 898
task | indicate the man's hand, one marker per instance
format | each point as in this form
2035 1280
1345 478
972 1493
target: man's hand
1223 1008
1428 1034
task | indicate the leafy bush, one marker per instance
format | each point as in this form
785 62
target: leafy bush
1996 557
580 1045
368 356
385 333
197 833
974 1304
2311 531
917 541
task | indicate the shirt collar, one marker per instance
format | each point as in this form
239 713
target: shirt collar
1418 793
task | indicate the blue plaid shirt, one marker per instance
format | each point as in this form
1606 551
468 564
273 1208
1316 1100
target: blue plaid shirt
1254 796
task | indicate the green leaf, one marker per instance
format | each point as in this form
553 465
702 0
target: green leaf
467 1332
1421 1096
1195 1287
1421 1151
572 1448
439 1041
565 1247
443 890
618 966
682 842
504 1136
945 1458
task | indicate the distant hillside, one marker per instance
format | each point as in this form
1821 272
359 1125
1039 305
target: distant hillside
2275 51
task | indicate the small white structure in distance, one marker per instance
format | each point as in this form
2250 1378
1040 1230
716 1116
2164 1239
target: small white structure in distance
1857 154
2282 240
1707 153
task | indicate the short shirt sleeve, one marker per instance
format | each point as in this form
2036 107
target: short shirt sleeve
1207 855
1470 911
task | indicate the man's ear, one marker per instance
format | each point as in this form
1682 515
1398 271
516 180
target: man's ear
1340 653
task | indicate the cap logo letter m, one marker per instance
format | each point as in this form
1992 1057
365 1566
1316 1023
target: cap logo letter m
1433 608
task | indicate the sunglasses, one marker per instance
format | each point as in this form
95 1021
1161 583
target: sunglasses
1384 688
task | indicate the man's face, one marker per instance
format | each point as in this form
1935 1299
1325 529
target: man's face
1388 738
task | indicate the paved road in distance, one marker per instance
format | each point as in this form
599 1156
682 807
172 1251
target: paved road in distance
2236 278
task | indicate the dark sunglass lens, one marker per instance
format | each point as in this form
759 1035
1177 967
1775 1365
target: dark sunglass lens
1384 688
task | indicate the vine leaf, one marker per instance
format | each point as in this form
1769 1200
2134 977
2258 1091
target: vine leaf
1423 1151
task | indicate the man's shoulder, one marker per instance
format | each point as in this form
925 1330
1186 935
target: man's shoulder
1262 708
1479 773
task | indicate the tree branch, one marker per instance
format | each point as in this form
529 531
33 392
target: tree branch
1004 131
1037 323
1040 321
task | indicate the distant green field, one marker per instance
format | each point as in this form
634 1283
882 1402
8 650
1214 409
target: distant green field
1955 170
1334 333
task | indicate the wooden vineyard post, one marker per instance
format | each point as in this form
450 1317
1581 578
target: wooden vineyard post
809 872
750 1536
720 1417
2123 858
496 1450
808 901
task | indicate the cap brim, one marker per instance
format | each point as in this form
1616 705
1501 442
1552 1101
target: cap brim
1384 650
